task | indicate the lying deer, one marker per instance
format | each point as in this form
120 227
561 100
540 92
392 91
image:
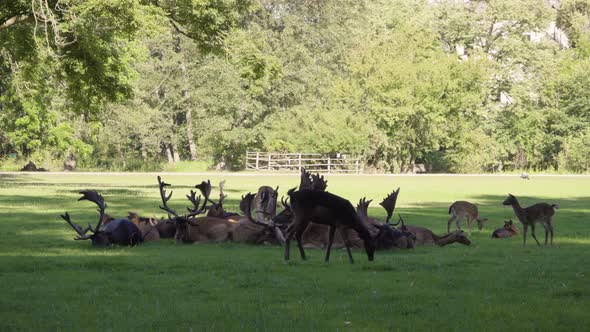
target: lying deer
115 231
509 230
196 230
258 231
147 226
537 213
424 236
461 209
325 208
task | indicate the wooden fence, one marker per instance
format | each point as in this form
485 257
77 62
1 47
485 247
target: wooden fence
293 162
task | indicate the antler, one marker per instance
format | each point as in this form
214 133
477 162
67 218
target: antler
165 198
93 196
246 207
306 180
388 204
221 195
362 207
318 182
81 232
205 188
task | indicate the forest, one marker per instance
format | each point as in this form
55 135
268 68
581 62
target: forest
460 86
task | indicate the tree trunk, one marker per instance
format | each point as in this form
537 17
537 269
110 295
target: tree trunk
189 134
175 153
169 154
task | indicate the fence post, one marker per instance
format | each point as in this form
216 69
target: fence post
257 158
268 162
329 164
356 166
300 163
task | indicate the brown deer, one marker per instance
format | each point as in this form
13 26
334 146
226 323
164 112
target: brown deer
537 213
509 230
147 226
424 236
325 208
258 231
116 231
196 230
461 209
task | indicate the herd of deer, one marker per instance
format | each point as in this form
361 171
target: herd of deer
310 214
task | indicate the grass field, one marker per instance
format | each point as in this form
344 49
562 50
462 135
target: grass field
50 282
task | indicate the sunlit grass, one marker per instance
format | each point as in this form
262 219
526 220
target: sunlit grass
51 282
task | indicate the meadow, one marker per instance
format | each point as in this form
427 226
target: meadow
48 281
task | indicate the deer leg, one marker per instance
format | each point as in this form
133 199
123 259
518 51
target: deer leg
330 240
299 236
459 222
288 235
449 223
550 225
469 221
525 229
347 244
533 233
546 232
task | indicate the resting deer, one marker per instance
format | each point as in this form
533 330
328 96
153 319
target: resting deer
147 226
116 231
537 213
196 230
258 231
325 208
509 230
461 209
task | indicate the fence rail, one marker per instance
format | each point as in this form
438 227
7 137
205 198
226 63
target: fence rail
293 162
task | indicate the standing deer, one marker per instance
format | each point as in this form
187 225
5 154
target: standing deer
509 230
461 209
116 231
537 213
328 209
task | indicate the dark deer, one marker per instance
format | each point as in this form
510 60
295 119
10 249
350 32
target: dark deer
537 213
509 230
325 208
116 231
461 209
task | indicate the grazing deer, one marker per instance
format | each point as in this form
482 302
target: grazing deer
147 226
537 213
196 230
509 230
325 208
461 209
116 231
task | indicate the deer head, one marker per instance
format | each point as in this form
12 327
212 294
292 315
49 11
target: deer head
98 237
510 200
246 207
182 221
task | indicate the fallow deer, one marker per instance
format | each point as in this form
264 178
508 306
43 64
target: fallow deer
325 208
116 231
461 209
147 226
509 230
424 236
537 213
258 231
196 230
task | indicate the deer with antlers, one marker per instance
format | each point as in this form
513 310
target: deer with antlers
189 228
258 230
147 226
116 231
537 213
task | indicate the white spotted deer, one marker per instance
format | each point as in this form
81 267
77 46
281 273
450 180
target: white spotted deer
537 213
464 209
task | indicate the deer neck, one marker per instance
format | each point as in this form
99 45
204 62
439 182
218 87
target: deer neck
518 210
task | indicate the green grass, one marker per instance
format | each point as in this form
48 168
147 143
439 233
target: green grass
50 282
